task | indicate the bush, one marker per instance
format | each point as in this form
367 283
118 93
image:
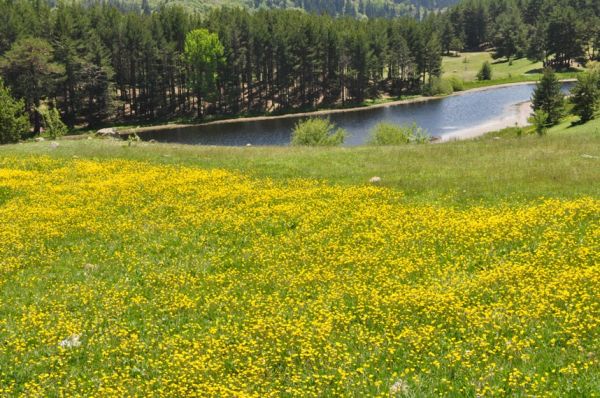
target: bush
457 84
438 86
13 121
317 132
541 122
485 73
53 125
390 134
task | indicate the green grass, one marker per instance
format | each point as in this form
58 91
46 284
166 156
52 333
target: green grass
521 70
486 169
178 281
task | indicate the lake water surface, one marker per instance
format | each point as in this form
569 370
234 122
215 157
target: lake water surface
447 117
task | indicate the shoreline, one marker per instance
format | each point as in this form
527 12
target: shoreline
517 116
323 112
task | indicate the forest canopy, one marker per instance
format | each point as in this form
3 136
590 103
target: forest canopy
98 62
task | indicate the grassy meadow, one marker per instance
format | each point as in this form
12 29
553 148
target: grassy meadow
466 66
167 270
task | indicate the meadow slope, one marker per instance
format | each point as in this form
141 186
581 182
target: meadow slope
157 270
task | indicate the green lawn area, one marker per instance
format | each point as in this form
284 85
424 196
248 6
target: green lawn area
466 66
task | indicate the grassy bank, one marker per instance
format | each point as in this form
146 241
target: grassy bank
466 66
458 172
169 270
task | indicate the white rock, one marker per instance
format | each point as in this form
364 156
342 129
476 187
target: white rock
39 139
107 132
248 144
71 341
375 180
54 145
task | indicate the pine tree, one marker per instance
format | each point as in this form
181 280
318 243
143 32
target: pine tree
31 74
13 121
586 96
548 97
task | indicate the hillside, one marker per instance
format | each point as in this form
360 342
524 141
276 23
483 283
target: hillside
354 8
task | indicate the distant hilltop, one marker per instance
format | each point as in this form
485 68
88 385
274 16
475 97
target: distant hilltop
352 8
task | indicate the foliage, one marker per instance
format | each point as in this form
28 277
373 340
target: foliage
13 121
541 122
166 280
317 132
510 38
29 71
119 64
485 73
457 83
548 97
391 134
585 96
203 53
53 125
438 86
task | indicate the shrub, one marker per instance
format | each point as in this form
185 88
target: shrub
457 84
438 86
390 134
13 121
317 132
53 125
541 122
485 73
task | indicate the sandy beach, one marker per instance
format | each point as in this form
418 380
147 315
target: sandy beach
517 115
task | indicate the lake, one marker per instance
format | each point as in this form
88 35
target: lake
459 116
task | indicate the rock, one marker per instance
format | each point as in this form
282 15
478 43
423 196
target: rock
54 145
90 267
496 138
586 156
71 341
375 180
107 132
248 144
39 139
153 141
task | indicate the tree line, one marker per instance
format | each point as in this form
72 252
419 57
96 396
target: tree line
98 62
558 32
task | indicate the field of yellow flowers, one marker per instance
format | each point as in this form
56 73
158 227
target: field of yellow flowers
126 278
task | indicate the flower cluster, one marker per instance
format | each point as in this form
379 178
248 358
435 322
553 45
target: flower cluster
122 278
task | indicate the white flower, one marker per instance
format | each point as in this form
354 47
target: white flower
399 387
71 341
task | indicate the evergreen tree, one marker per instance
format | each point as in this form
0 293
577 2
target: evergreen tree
30 72
485 73
13 121
548 97
585 96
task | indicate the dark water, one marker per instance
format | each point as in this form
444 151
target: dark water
438 117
